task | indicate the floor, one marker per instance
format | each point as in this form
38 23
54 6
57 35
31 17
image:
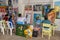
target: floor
15 37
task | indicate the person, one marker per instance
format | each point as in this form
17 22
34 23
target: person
51 15
10 19
46 20
20 19
6 17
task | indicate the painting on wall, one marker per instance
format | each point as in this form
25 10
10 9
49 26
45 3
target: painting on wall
37 7
57 6
29 18
46 9
37 17
28 7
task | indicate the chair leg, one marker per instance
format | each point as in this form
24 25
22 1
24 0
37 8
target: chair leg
42 35
7 31
49 36
2 30
53 32
10 31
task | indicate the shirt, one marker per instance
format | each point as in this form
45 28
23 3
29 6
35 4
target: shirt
20 20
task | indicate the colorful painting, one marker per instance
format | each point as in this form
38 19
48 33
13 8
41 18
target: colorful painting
37 18
57 6
45 9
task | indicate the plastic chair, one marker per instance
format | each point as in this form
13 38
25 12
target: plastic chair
47 30
10 26
2 26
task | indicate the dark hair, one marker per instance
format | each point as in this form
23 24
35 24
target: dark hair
10 17
45 17
6 15
19 15
50 10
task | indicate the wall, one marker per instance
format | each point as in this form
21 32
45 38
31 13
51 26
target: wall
57 22
22 3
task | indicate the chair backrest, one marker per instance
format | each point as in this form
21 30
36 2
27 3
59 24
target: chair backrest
9 24
46 25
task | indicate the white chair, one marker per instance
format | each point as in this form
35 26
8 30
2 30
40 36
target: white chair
10 26
2 26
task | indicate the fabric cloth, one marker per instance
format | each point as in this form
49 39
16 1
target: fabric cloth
38 21
46 21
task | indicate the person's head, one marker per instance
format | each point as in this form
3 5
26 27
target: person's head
51 15
19 15
6 15
10 17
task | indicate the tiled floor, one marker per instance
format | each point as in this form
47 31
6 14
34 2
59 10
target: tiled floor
15 37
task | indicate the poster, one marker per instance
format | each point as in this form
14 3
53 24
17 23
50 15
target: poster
37 7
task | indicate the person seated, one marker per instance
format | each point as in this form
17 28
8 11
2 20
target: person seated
20 19
46 20
6 17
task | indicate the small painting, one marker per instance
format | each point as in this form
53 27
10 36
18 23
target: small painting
28 7
37 7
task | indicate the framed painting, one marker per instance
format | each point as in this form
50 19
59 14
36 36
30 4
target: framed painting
37 7
28 7
37 17
28 15
46 9
57 7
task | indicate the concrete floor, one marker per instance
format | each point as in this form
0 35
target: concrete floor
15 37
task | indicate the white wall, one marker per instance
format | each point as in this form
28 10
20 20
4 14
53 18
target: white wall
57 21
22 3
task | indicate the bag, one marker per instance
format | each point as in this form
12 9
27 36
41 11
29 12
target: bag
35 33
